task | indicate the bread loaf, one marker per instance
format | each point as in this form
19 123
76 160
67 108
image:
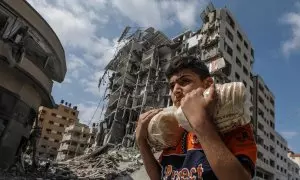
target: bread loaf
164 130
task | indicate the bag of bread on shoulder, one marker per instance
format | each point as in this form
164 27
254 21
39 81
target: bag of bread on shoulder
232 111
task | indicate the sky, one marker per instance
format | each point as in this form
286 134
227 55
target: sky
89 29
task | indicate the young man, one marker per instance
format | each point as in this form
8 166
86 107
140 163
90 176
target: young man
203 153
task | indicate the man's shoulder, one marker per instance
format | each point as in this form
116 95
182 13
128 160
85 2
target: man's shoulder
241 139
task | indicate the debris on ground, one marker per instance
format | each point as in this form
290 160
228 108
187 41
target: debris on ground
106 162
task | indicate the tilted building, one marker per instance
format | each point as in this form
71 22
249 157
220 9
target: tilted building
76 138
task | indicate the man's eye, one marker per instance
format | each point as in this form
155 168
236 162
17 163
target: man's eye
186 81
172 87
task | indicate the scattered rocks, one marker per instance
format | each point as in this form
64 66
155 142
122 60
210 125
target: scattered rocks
113 163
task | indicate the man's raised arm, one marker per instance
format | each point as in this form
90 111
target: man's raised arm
152 167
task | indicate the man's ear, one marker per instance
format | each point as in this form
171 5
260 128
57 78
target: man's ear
207 82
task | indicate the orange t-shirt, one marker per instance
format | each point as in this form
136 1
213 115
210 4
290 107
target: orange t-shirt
188 161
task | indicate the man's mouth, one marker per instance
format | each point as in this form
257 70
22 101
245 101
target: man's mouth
177 101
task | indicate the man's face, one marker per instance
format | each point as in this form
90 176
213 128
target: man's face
184 82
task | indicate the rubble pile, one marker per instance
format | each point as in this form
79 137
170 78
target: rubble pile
107 162
117 162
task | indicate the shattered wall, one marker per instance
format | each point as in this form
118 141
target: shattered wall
137 84
31 58
75 140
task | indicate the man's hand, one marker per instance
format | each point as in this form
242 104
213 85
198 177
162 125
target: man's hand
142 127
197 109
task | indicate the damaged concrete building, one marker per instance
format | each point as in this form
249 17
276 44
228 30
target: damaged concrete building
53 123
137 84
138 81
76 138
31 59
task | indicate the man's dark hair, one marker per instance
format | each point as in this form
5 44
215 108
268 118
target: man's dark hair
179 63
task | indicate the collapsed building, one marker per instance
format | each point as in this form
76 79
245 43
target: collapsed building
137 84
31 59
76 139
138 81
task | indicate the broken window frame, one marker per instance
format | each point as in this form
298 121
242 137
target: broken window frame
10 19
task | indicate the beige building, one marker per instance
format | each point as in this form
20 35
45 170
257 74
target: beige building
76 139
295 157
53 123
293 165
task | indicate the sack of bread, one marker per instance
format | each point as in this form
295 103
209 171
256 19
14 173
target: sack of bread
232 110
164 130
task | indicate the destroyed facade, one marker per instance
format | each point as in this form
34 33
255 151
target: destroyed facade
53 123
137 84
31 59
76 138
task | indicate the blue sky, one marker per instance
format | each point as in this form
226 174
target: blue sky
89 29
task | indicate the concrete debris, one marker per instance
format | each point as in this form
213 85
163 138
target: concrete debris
115 163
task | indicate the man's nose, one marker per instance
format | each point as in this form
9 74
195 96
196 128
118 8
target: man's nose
177 90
